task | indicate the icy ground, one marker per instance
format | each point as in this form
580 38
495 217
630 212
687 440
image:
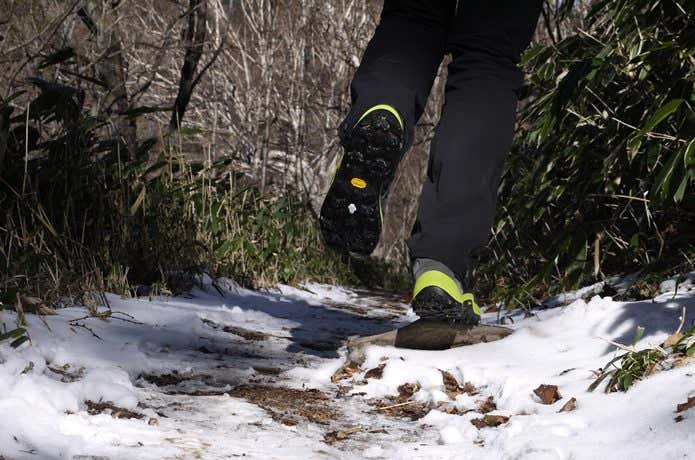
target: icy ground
248 374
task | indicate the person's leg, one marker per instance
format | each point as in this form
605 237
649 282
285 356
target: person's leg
458 199
401 61
389 92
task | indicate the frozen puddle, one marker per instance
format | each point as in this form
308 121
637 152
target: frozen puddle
248 374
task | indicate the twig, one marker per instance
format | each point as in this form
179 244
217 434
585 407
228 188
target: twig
84 326
396 405
132 321
680 326
627 197
620 345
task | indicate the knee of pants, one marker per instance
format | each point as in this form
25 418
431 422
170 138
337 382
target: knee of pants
476 68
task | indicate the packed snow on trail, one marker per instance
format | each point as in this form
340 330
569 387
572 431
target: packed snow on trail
231 372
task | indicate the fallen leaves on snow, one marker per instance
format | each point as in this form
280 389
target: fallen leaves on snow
689 404
347 370
487 406
95 408
287 405
341 435
489 421
452 387
375 373
569 406
548 394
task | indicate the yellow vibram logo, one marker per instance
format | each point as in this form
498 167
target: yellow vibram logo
358 183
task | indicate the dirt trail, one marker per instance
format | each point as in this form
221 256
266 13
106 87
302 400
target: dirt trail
252 365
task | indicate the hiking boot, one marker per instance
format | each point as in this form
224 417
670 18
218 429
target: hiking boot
439 296
351 215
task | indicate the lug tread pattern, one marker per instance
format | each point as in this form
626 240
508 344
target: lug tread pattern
372 153
433 303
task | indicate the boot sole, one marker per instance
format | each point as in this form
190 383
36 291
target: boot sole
351 212
433 303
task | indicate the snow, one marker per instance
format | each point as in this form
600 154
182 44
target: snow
44 385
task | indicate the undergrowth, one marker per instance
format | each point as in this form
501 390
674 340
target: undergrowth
600 180
625 369
79 216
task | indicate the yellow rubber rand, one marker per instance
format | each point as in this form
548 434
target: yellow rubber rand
386 107
447 284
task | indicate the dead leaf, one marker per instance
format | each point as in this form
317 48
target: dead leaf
345 371
448 409
375 373
569 405
341 435
406 390
487 406
672 340
414 410
247 334
489 421
36 305
344 389
402 405
548 394
289 406
469 389
689 404
95 408
452 387
683 361
450 382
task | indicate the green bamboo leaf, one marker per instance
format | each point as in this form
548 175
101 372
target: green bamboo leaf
639 332
663 112
634 143
17 342
20 331
680 191
664 177
598 381
689 157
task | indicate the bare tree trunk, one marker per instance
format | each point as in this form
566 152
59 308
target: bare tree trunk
5 112
194 40
112 72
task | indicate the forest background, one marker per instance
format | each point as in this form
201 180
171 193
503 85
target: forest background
143 143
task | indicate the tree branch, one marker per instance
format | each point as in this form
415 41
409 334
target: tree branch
194 40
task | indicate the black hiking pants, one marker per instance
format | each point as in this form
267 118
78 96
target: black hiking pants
485 39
